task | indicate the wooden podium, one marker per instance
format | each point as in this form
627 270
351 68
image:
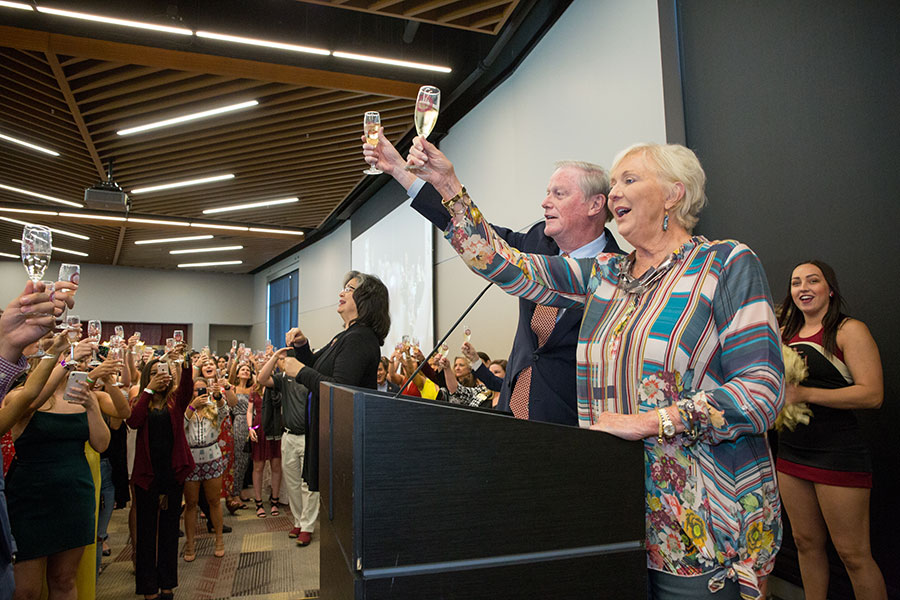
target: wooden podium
423 500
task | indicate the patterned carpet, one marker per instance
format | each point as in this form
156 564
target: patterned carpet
261 562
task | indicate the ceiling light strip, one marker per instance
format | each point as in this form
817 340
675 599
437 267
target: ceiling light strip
58 249
264 43
7 255
212 211
213 226
210 264
214 249
189 238
391 61
86 216
280 231
190 117
9 138
177 184
159 222
27 211
18 5
113 21
59 231
42 196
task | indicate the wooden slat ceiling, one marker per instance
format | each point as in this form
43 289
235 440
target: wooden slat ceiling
484 16
72 93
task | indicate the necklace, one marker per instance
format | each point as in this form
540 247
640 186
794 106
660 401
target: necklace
635 287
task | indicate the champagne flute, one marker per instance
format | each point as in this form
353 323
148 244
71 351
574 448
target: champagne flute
120 331
178 335
371 127
467 333
37 244
95 329
71 273
73 323
428 104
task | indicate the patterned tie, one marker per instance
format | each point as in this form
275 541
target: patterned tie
542 323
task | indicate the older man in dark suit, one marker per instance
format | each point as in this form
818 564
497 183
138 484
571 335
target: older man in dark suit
540 375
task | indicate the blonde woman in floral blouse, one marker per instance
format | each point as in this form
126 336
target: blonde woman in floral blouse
679 348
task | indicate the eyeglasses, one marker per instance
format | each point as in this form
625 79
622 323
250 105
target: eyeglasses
348 288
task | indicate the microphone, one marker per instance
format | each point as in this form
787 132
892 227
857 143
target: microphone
443 339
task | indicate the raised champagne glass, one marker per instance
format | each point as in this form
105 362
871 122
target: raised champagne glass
37 245
71 273
95 329
73 324
371 127
428 103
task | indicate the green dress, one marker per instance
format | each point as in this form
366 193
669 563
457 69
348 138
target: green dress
50 491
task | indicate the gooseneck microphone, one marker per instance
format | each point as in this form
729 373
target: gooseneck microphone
443 339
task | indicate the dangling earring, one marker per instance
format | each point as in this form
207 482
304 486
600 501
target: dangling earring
666 222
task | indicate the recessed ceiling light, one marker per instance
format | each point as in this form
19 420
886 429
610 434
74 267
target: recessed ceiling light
264 43
191 117
159 222
59 231
9 138
26 211
211 226
176 184
190 238
211 211
58 249
210 264
42 196
15 5
114 21
281 231
86 216
214 249
6 255
392 61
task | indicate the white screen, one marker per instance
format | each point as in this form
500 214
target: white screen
398 249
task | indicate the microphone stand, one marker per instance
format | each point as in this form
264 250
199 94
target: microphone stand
443 339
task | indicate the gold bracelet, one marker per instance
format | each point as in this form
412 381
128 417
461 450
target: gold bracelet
451 203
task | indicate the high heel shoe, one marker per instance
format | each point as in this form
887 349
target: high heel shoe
260 511
189 552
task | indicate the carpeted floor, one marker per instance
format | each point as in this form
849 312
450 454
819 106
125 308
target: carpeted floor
261 562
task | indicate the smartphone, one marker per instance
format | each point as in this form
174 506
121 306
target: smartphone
103 351
74 377
162 368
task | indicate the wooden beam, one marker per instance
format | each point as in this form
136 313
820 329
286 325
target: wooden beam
115 259
42 41
76 113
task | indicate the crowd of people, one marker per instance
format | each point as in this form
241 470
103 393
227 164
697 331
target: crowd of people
677 344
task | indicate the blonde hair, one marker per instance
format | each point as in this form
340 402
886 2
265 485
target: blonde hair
675 164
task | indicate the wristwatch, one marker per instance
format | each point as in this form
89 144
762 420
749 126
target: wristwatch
666 427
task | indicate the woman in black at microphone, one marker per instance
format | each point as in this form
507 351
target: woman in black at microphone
351 357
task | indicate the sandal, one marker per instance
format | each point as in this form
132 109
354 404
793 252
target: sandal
275 500
260 511
189 553
273 510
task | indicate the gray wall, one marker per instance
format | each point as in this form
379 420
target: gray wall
793 110
150 295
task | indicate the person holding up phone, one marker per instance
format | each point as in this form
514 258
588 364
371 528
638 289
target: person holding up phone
203 419
50 488
162 462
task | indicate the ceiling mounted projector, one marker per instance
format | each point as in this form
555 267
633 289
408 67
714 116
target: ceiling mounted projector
107 195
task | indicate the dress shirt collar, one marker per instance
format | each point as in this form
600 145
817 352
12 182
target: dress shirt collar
591 249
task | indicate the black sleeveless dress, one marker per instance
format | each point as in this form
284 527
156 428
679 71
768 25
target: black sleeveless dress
49 487
830 449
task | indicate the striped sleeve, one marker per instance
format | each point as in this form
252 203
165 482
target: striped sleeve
750 363
550 280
